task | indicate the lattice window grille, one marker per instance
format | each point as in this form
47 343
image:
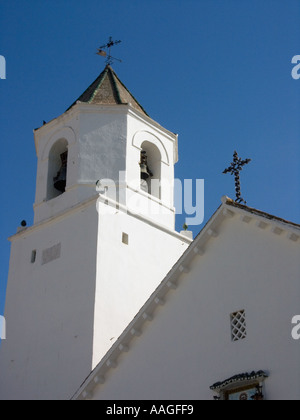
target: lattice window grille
238 325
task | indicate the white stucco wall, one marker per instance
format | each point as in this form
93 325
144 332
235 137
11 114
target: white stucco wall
104 141
97 141
128 274
50 308
188 347
64 311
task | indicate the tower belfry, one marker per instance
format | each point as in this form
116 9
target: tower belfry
75 275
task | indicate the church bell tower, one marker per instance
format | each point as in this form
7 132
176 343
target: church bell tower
103 239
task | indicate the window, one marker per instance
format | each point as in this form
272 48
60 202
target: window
238 325
33 256
125 238
51 254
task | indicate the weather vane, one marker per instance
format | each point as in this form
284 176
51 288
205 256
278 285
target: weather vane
101 51
235 168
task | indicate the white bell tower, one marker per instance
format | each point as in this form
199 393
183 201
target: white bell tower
103 239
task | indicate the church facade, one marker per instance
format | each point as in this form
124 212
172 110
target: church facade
219 326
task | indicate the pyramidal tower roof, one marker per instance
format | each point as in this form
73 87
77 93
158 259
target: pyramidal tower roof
108 89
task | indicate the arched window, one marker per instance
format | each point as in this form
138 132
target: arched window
150 169
57 169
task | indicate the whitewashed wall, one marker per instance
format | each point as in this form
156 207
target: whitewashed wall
188 347
128 274
49 308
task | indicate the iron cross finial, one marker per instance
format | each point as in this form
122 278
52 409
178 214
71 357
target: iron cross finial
101 51
235 169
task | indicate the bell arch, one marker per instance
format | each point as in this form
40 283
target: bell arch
145 136
50 160
64 133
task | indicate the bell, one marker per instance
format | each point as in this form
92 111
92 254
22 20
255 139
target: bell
144 171
60 180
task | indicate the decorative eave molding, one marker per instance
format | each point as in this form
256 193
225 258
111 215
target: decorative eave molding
172 281
122 208
93 200
252 212
232 382
53 219
265 221
84 108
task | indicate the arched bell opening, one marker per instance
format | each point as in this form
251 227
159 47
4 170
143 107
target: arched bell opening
150 164
57 169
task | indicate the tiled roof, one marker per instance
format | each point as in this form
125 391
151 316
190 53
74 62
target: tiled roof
108 89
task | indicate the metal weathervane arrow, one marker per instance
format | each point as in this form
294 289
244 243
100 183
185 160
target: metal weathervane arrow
103 53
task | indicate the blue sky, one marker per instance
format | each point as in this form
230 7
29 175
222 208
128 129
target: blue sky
217 72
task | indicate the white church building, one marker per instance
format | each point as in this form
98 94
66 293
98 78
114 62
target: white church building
219 324
105 300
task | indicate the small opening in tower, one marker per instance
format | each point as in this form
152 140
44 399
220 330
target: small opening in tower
33 256
125 238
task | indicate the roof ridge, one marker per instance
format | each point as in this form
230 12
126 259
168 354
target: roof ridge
102 76
113 74
120 81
